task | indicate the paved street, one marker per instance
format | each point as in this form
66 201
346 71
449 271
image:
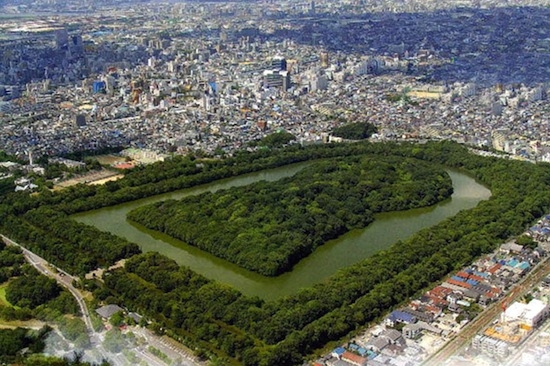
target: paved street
168 346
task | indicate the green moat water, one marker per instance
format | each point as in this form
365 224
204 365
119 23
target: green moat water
326 260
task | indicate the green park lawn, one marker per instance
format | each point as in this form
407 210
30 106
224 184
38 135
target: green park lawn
3 300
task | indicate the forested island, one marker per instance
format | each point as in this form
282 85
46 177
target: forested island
219 321
267 227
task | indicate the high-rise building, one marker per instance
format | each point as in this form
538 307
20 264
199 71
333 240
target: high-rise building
324 59
62 39
75 44
80 120
276 79
318 82
278 63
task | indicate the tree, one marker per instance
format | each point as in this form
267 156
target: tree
527 242
117 319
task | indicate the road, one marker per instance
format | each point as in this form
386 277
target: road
151 360
168 346
470 330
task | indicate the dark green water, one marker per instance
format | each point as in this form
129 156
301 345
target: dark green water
326 260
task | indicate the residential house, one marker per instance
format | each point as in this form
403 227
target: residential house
338 352
378 344
420 315
511 247
354 359
399 316
108 311
394 336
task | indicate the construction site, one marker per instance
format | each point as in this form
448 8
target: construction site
515 324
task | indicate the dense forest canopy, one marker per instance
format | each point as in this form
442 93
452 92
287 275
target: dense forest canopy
6 185
285 330
267 227
27 291
6 157
218 320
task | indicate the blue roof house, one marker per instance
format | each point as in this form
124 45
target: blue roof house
399 316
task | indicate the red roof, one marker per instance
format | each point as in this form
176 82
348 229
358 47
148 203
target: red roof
438 301
494 268
459 283
440 292
353 358
477 278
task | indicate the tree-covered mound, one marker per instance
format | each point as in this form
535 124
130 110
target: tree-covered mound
277 139
355 131
267 227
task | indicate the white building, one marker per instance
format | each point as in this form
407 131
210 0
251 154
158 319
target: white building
531 314
490 346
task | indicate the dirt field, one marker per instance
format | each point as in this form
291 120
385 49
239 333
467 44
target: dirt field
98 273
109 159
105 180
33 324
98 177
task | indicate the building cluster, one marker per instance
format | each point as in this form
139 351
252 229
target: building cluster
541 230
519 336
409 335
516 324
535 351
211 78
